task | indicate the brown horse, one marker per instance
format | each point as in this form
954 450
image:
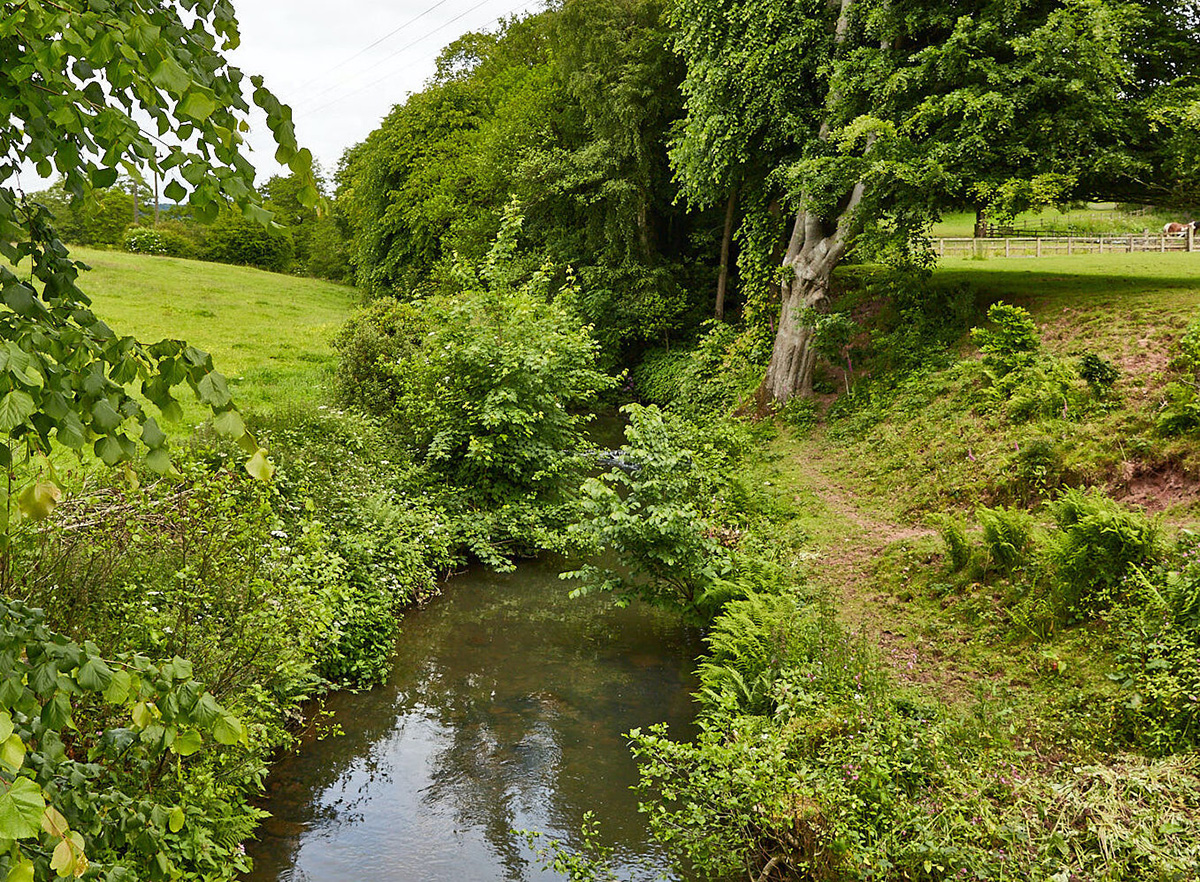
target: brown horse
1180 229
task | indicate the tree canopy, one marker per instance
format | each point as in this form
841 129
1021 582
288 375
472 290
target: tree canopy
877 115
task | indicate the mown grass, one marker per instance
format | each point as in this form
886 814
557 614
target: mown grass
881 472
1098 218
270 334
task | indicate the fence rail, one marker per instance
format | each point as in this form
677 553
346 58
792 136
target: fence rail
1045 246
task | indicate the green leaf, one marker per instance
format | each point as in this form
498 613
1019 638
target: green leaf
187 743
259 467
109 449
104 417
6 725
228 729
212 390
170 76
175 191
118 688
158 461
21 871
197 104
37 501
142 715
229 423
12 752
175 822
103 177
15 408
94 675
152 436
21 809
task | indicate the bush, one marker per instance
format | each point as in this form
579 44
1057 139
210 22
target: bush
660 511
1007 537
1097 545
234 239
487 389
1012 342
165 243
1099 373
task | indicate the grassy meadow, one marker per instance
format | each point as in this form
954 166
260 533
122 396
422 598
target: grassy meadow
268 333
1105 218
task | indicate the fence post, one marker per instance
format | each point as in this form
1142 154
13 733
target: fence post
1070 245
1191 231
941 248
1007 250
1162 242
1039 245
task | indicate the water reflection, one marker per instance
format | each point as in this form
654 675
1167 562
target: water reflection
506 709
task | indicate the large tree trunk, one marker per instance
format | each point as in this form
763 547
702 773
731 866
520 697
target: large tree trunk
813 253
816 247
726 241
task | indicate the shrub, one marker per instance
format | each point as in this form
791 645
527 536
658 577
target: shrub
1035 469
658 376
1099 373
487 389
1098 543
1012 342
165 243
375 347
1007 537
660 511
237 240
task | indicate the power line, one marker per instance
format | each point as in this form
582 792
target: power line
403 48
382 39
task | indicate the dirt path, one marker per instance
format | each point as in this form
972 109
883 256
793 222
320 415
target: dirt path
847 567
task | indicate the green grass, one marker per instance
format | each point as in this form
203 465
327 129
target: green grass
1098 218
268 333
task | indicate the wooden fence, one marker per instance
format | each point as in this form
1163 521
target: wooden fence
1058 246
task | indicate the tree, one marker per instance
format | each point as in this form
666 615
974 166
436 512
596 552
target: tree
75 78
880 114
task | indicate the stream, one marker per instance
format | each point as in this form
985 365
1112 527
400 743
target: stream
506 710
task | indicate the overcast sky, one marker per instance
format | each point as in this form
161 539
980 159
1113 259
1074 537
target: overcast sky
317 56
342 64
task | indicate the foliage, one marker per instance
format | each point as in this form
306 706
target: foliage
660 509
69 814
870 118
958 546
591 864
1157 663
164 243
97 218
1099 373
566 110
1007 537
1013 341
1181 411
76 82
484 385
234 239
1097 544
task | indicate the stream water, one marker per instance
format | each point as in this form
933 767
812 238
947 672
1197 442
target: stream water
506 710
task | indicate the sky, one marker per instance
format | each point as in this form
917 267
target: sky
343 64
317 56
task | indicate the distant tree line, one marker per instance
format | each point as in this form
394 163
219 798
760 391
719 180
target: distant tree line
300 240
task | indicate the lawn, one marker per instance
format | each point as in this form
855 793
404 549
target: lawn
268 333
1103 218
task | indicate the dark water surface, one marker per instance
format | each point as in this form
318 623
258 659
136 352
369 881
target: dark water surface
506 709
